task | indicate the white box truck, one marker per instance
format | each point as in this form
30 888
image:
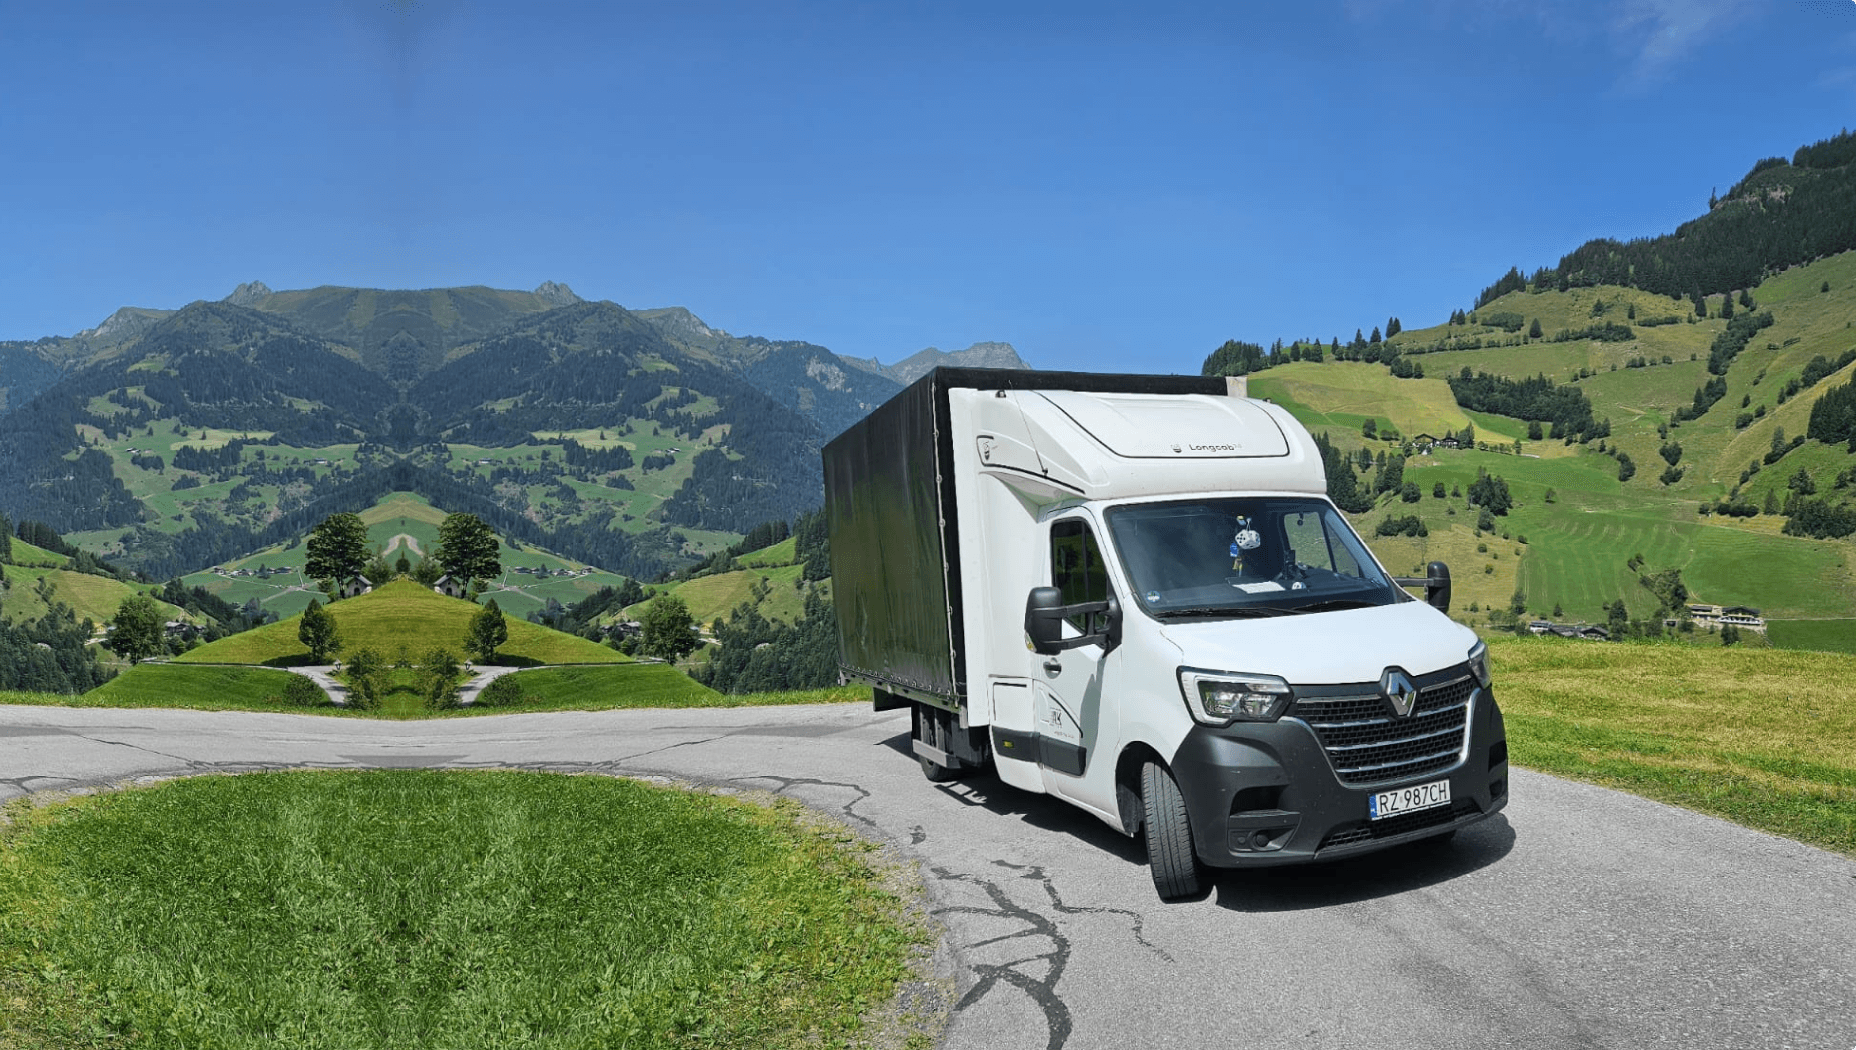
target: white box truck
1132 593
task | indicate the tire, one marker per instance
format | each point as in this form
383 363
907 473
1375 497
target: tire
925 731
935 771
1171 860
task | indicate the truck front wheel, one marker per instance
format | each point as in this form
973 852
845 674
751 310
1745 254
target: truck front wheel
1170 856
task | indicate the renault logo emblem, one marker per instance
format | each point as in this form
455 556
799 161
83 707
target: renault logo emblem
1399 690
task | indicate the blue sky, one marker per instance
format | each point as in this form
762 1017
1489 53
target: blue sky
1108 187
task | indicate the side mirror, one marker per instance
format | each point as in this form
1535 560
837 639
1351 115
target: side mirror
1436 583
1045 613
1044 620
1437 586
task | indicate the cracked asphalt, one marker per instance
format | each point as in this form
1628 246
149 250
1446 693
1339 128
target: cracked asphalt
1580 917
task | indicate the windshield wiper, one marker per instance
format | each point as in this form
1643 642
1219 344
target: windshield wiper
1335 603
1221 610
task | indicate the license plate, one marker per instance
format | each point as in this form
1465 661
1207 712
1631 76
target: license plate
1408 799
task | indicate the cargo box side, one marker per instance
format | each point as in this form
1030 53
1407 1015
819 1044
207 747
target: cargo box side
889 503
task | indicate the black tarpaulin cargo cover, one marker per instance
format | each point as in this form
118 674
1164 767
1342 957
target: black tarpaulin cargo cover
890 505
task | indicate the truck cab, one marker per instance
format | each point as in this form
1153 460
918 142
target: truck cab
1132 593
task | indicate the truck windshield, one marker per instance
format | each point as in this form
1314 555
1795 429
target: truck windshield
1245 556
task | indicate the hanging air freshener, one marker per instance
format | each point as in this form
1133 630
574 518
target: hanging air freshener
1245 540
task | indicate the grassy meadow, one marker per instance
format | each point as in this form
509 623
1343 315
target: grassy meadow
421 908
189 688
1765 738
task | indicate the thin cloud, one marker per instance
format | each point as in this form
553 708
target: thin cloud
1664 33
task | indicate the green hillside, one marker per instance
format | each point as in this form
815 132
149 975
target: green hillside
1578 543
401 613
403 523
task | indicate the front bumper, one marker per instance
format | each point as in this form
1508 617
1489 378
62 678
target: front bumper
1264 794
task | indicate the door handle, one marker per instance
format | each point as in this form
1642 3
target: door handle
1052 667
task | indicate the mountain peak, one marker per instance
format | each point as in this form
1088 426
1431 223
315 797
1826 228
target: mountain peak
680 321
248 293
557 293
979 355
126 323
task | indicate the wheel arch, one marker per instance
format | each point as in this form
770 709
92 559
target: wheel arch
1128 782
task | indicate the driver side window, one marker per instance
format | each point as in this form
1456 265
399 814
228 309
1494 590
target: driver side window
1076 569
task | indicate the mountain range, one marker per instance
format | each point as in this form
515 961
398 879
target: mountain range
662 425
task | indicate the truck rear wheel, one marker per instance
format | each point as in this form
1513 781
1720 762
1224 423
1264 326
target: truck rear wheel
1171 859
931 728
935 771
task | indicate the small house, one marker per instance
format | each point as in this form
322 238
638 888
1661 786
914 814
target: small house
450 586
354 586
1449 442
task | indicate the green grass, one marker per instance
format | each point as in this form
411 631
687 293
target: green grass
180 686
1765 738
402 613
649 685
96 597
425 908
1829 636
1340 396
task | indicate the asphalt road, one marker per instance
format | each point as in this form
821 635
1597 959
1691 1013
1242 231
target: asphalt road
1578 918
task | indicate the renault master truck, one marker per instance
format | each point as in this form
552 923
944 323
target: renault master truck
1132 593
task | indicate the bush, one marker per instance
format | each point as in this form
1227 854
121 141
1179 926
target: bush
439 678
501 692
1410 525
302 692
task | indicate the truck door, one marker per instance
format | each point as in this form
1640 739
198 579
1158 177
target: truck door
1074 715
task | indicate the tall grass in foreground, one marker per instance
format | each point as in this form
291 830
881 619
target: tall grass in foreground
435 909
1763 737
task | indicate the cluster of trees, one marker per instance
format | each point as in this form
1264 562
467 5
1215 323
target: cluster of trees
595 460
208 461
1490 491
1512 281
812 545
760 655
1343 487
1779 215
1409 525
51 654
1535 398
1819 518
1605 332
1833 418
1236 358
467 549
582 617
1240 358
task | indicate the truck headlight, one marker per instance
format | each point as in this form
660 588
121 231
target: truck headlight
1479 663
1220 698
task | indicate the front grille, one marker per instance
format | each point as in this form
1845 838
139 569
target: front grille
1369 744
1366 830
